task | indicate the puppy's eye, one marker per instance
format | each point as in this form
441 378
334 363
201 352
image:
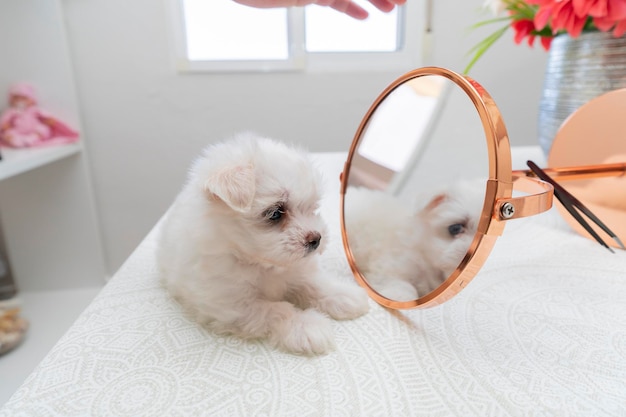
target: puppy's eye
275 214
456 229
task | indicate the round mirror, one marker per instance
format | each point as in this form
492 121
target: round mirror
414 187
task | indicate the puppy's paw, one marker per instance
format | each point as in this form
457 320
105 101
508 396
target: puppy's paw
308 332
345 302
397 290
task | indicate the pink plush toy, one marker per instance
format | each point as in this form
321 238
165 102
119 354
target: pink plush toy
25 125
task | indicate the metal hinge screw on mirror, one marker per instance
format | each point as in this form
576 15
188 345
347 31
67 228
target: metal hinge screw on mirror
507 210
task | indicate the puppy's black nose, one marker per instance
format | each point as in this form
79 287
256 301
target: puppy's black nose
313 241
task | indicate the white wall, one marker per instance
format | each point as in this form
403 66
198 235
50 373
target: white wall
144 123
48 215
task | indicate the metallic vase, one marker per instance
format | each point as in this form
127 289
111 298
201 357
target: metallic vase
577 71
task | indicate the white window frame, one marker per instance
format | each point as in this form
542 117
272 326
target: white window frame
413 32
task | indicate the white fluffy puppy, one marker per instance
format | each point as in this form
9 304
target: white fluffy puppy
406 252
238 247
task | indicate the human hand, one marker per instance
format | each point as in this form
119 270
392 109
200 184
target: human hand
348 7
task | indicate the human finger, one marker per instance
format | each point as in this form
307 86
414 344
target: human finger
350 8
387 5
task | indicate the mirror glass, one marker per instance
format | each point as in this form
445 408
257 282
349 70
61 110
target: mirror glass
415 187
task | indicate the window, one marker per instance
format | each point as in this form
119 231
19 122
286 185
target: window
221 35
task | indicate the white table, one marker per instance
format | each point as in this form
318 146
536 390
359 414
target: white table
540 331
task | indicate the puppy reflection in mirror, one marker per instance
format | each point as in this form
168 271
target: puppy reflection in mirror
449 221
238 248
384 236
406 252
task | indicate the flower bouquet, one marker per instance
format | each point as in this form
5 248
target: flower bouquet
546 19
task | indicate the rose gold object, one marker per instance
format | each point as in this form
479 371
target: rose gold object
499 205
594 134
587 157
596 175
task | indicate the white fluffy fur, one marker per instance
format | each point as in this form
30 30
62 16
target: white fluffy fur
238 271
457 203
405 252
384 235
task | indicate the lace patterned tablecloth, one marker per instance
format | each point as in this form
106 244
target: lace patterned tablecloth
540 331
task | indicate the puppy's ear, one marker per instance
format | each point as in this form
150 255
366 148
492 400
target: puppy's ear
234 186
435 202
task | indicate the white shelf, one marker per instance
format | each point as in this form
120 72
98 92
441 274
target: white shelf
17 161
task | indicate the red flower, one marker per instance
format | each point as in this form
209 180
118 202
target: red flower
607 14
523 29
549 18
560 15
620 29
546 41
565 18
544 13
610 9
605 24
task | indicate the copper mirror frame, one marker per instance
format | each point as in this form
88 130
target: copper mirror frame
499 204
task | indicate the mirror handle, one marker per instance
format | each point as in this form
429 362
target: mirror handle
539 199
